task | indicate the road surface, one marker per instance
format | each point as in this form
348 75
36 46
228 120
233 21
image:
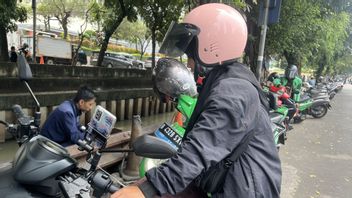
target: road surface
317 158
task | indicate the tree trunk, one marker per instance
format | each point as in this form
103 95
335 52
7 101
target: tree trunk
321 67
252 47
109 31
328 70
290 58
79 44
47 23
108 34
153 45
64 27
103 48
141 45
4 53
299 67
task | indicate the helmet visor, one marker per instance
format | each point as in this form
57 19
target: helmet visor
177 39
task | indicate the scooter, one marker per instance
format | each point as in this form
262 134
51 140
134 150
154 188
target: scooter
279 119
320 92
316 107
41 167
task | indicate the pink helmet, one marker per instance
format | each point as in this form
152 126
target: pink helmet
220 32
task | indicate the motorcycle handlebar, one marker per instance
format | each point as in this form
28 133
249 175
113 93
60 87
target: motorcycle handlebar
113 188
102 183
4 123
84 145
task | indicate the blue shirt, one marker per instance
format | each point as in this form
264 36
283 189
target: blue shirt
62 125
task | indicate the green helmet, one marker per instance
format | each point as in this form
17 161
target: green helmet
277 82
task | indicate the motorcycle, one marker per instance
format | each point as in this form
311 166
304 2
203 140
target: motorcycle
278 117
43 168
316 107
321 91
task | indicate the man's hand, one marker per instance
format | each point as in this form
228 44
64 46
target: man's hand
128 192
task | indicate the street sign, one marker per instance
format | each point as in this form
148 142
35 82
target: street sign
274 12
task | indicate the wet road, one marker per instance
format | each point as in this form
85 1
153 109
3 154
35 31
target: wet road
317 158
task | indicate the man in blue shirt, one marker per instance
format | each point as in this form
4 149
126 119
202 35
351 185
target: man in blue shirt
62 125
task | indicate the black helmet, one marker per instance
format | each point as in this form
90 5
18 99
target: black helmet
171 78
291 72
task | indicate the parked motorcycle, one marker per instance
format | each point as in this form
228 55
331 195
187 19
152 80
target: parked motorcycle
43 168
316 107
278 117
321 90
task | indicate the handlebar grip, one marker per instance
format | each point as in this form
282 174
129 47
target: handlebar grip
83 144
17 109
101 182
113 188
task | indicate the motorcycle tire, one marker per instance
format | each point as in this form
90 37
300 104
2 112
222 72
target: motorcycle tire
332 95
322 111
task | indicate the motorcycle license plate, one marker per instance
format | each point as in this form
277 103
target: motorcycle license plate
169 135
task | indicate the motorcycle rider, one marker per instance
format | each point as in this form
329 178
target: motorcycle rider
293 81
62 125
229 107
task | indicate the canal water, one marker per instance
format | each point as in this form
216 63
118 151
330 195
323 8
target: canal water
9 148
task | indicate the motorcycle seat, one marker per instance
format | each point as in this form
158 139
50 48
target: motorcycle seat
314 91
275 117
304 100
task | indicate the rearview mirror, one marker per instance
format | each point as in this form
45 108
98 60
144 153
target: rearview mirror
24 71
152 147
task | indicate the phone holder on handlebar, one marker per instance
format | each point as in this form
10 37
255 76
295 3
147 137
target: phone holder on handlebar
96 136
92 138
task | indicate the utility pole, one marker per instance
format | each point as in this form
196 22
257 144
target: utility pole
34 7
264 28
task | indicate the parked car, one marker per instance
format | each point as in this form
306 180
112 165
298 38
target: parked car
148 61
136 63
111 60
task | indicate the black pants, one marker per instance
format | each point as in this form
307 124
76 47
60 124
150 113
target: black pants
291 107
